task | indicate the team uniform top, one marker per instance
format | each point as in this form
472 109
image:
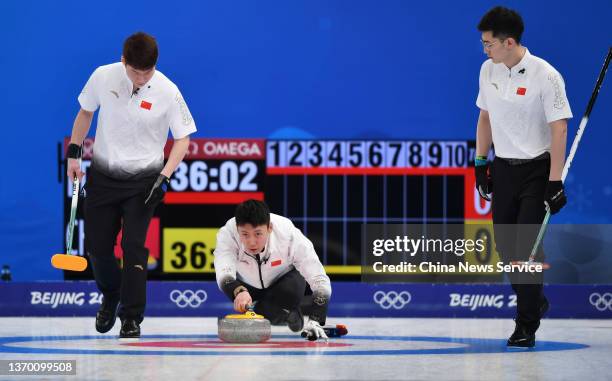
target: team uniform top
521 101
287 248
133 127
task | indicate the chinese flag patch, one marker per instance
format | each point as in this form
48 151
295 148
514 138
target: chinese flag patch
276 262
146 105
521 90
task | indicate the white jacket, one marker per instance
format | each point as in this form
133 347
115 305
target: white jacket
287 248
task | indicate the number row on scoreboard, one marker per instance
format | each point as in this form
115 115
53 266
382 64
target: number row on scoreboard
369 154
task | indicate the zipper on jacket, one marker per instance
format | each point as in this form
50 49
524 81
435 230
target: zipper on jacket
259 268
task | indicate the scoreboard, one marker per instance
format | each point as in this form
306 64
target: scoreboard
328 188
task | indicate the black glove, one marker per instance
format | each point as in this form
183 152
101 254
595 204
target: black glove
157 190
555 198
484 183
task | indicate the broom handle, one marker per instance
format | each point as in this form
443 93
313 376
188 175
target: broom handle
568 162
73 210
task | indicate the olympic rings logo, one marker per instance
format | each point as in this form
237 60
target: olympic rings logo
188 298
392 299
601 301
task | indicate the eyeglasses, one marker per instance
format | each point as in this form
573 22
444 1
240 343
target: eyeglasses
488 45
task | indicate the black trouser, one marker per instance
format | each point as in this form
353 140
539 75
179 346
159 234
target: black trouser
518 211
109 206
284 295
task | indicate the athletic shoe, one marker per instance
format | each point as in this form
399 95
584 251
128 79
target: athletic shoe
129 329
106 316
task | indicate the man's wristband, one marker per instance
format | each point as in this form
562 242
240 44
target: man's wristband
228 285
74 151
480 160
238 290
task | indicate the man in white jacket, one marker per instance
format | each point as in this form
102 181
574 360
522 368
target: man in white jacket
262 259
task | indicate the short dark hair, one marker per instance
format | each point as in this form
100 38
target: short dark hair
252 212
502 22
140 51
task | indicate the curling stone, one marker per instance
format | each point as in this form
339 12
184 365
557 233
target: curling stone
244 328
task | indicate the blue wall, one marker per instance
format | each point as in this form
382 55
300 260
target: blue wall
329 69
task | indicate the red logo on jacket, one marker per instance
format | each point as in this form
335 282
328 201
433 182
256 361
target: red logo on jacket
146 105
276 262
521 90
